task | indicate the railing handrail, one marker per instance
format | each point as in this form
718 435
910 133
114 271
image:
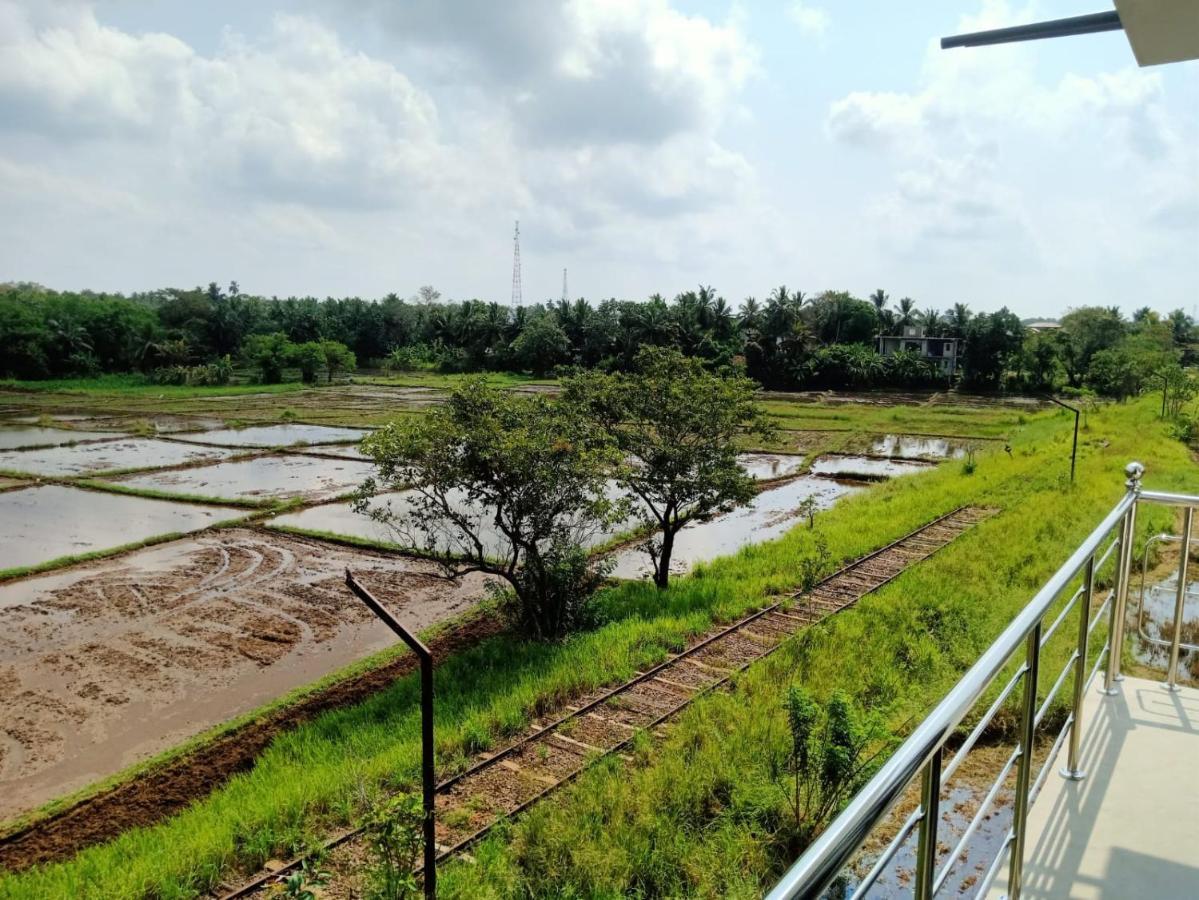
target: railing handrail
816 869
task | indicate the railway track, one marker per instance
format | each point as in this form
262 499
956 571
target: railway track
554 752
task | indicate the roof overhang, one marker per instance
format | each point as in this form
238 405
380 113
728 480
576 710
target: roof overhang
1159 31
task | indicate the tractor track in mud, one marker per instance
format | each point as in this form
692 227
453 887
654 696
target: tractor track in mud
503 784
169 788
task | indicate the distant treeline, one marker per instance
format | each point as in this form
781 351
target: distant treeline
789 341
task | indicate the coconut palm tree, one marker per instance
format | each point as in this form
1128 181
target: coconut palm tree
957 319
907 312
931 320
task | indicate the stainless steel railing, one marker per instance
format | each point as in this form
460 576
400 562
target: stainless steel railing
1020 645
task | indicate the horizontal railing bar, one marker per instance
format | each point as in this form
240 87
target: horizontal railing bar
1065 611
1161 642
828 854
1057 686
889 854
1107 553
976 821
984 886
1098 664
967 744
1057 745
1100 612
1167 499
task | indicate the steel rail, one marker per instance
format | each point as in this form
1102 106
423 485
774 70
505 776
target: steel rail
265 879
811 875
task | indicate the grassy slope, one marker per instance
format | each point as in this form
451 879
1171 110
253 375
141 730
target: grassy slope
134 386
697 816
904 654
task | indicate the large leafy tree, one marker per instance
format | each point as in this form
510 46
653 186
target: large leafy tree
676 424
993 342
504 484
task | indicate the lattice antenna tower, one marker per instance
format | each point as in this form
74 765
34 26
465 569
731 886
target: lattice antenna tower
516 292
565 293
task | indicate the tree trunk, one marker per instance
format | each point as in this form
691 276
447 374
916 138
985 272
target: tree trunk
662 567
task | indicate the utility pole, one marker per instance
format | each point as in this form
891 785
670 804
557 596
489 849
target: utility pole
565 293
516 292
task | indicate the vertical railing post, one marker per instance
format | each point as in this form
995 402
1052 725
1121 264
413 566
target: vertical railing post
1180 601
926 846
1028 728
1072 770
428 781
1115 635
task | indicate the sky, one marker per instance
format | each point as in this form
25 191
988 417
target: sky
361 147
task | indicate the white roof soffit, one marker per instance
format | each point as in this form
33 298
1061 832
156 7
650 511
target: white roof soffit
1161 31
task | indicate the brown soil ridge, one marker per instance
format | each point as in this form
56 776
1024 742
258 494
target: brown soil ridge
176 784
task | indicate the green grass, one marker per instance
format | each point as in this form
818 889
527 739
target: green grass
64 561
447 381
140 386
964 421
693 817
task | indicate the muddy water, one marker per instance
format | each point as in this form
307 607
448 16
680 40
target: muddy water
267 477
38 524
11 438
108 663
345 451
958 806
277 435
770 515
768 466
340 519
106 456
864 467
921 447
1155 617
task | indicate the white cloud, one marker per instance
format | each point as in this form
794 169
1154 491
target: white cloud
812 20
953 142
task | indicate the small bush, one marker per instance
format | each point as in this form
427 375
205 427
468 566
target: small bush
396 840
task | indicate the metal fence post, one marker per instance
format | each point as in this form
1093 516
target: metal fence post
1115 636
1180 600
1072 770
926 845
428 780
1028 728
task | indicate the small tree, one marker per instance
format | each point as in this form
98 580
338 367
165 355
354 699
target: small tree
337 358
676 424
309 358
508 485
269 353
823 760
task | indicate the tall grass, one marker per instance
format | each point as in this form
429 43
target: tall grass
695 816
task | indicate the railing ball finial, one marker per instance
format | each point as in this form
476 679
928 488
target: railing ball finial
1134 471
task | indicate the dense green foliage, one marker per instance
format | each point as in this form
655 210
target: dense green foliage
676 425
789 341
505 484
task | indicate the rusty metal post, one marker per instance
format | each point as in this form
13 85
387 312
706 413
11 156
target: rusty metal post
426 722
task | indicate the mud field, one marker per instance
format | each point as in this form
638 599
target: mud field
106 664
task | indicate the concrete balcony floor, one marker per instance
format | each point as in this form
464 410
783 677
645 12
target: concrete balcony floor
1130 828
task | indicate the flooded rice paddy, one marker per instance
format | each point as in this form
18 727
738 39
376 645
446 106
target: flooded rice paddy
769 466
261 478
915 446
105 664
277 435
1155 618
38 524
864 467
107 456
769 515
37 436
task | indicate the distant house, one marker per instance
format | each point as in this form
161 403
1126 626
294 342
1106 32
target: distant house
1039 325
940 350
